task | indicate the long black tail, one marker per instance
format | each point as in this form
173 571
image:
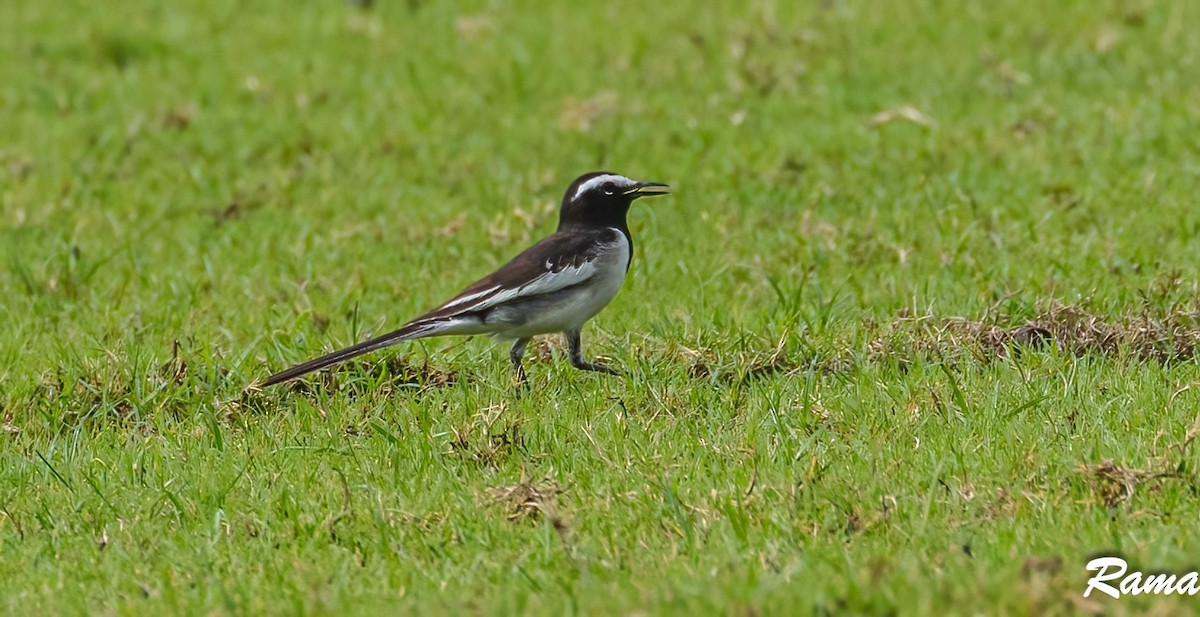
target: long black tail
411 331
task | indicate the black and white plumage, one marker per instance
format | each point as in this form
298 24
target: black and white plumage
555 285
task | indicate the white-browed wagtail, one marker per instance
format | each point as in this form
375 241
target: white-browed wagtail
556 285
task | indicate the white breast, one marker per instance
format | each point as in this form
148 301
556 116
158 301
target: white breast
610 275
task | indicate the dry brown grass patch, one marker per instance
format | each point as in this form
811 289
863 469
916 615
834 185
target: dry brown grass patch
1169 337
532 501
1115 485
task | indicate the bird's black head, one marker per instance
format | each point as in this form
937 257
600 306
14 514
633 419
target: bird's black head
602 199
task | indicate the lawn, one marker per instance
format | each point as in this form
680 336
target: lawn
917 333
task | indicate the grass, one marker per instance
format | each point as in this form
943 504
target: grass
915 334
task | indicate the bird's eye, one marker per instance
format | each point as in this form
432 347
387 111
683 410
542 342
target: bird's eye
609 188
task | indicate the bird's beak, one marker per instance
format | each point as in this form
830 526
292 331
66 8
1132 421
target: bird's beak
643 189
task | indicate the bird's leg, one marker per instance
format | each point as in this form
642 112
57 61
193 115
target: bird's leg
514 355
576 351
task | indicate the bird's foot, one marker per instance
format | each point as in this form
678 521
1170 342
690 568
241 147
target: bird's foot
521 379
595 367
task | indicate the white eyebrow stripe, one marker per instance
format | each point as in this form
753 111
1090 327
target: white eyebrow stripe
618 180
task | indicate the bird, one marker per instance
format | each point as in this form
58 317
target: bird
556 285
